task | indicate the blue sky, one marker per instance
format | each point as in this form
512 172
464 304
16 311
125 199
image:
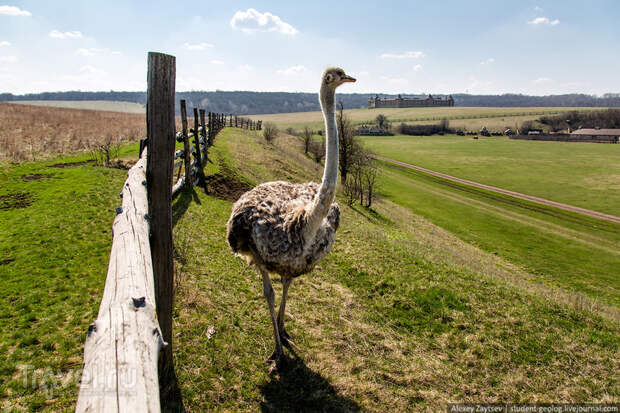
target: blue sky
486 47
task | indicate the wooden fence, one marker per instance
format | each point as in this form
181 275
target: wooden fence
128 350
567 138
201 136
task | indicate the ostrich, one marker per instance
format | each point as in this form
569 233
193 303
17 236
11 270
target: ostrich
285 228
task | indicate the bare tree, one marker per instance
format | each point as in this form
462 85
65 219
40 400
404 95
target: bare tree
347 141
444 125
369 179
317 149
104 153
270 131
381 120
306 135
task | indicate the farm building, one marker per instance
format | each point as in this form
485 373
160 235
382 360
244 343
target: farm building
372 130
409 102
595 134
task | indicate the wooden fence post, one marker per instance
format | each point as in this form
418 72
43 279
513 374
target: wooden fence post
186 154
198 153
160 158
210 129
203 135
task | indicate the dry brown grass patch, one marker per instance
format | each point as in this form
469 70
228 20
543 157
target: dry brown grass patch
33 132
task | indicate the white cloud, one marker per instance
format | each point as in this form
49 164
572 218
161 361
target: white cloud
92 51
394 80
88 77
198 46
246 68
4 43
116 53
65 35
488 61
85 52
8 59
405 55
217 62
91 70
14 11
543 80
544 20
417 68
293 70
251 21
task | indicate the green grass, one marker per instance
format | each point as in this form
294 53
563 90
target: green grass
53 261
471 118
401 316
574 252
584 175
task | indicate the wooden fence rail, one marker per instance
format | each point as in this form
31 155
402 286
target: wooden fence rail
201 137
123 368
128 350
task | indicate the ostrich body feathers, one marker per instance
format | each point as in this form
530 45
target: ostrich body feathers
267 225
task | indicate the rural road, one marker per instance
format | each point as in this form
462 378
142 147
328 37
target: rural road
589 212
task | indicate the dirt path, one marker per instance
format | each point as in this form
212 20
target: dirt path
595 214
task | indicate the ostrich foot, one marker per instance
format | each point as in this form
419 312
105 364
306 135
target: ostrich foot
285 339
275 360
284 335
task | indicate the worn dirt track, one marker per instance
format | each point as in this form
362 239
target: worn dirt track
566 207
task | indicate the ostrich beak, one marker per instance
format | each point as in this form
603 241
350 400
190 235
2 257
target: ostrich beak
347 78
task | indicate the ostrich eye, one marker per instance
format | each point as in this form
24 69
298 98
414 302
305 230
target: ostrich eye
329 78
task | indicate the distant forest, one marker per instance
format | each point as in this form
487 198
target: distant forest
247 103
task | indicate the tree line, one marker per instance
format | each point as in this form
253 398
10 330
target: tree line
592 119
245 103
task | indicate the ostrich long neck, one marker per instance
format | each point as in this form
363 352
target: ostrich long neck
327 191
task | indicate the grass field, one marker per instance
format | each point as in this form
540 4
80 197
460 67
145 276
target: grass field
584 175
403 315
31 132
105 105
471 118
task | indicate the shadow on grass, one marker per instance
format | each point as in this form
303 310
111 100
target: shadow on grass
182 202
171 398
299 389
371 215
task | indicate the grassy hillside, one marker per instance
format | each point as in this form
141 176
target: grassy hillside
585 175
471 118
105 105
402 315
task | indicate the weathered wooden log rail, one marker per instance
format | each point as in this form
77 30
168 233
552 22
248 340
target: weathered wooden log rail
123 344
128 350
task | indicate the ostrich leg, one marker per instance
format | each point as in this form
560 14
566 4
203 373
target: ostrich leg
284 336
270 297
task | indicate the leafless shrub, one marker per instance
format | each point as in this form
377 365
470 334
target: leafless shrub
348 142
317 149
306 135
270 131
362 178
104 153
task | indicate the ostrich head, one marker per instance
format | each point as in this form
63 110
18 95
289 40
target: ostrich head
334 77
